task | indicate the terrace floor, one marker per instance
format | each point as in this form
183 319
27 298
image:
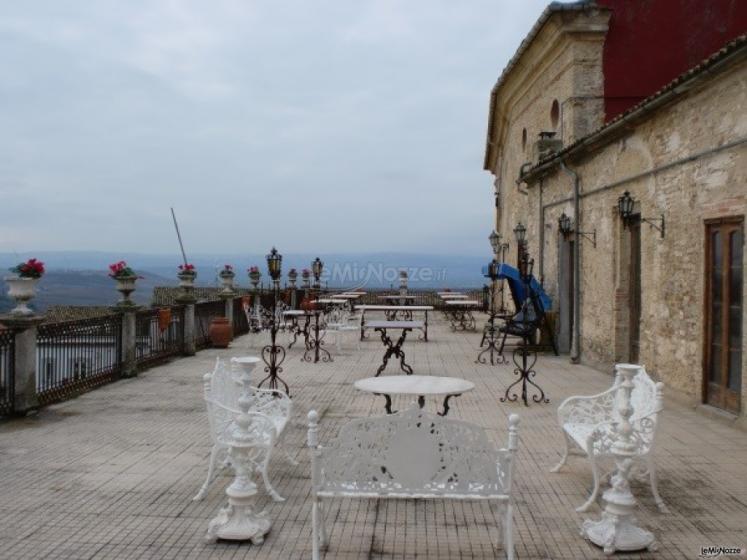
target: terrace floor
111 474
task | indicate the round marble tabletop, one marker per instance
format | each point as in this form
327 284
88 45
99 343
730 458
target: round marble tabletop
246 360
414 385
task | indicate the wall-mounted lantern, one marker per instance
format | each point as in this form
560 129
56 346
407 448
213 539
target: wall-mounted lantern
520 231
497 246
625 209
565 226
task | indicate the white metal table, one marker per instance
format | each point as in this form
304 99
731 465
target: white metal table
420 385
393 313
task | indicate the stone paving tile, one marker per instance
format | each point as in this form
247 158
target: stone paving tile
111 474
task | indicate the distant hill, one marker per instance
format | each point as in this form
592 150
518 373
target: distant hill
375 270
80 278
82 287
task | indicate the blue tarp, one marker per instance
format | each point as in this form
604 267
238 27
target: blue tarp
517 286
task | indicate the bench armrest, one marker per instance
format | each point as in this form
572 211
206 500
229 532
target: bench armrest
593 409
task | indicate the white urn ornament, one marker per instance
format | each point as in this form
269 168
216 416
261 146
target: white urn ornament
22 285
22 290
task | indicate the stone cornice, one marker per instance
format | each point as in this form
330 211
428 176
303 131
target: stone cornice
557 24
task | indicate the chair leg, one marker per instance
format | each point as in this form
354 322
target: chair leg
281 444
655 484
595 491
564 458
322 527
508 532
266 479
315 530
211 467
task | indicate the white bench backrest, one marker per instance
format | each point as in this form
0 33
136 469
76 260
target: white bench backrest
416 453
644 398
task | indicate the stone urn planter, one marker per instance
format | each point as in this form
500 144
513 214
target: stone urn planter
22 290
187 279
220 332
125 286
254 277
226 278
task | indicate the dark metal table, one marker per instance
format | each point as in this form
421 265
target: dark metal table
460 314
315 342
394 348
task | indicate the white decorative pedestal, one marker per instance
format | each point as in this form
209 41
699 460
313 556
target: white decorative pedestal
248 444
617 530
22 290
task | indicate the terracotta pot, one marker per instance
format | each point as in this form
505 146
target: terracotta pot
308 305
220 332
164 318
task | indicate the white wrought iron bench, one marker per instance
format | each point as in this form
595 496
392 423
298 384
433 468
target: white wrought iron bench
588 425
411 454
221 390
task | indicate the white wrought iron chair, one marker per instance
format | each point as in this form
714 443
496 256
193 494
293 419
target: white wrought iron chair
221 398
338 321
588 425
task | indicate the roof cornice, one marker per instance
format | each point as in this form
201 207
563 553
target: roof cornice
733 52
553 9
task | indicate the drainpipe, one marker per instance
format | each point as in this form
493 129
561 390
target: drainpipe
575 337
541 235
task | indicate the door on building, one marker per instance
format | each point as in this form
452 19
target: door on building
724 276
634 300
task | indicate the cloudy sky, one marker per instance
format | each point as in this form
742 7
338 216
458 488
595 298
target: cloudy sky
315 125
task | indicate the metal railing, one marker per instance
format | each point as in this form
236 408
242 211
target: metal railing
76 356
159 335
204 313
7 373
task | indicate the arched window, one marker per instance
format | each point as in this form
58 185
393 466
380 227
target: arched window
555 114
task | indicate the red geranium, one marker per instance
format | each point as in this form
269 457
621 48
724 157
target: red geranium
30 269
121 270
186 267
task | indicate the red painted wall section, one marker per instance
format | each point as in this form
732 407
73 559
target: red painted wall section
651 42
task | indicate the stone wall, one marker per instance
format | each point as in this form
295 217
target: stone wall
563 64
711 185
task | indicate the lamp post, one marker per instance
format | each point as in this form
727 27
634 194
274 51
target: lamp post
520 232
566 229
273 354
316 268
524 325
625 206
490 332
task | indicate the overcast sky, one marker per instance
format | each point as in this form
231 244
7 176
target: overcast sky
315 125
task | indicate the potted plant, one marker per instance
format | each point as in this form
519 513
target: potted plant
125 278
187 275
226 276
22 285
292 276
306 276
254 276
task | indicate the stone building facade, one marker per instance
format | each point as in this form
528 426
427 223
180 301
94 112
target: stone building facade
625 290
